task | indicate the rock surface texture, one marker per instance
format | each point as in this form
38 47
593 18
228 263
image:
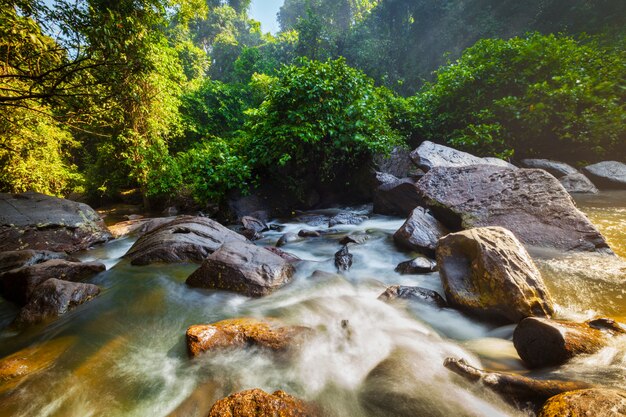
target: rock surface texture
419 265
241 333
487 272
607 174
598 402
419 294
396 197
542 342
529 202
244 268
430 155
37 221
185 239
577 183
420 232
258 403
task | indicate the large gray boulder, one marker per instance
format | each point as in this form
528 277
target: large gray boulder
244 268
529 202
607 174
420 232
577 183
487 272
185 239
37 221
430 155
555 168
395 196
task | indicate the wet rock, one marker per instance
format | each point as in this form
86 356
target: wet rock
607 174
250 234
529 202
343 259
577 183
543 342
244 268
138 227
396 197
185 239
54 298
516 389
420 232
258 403
242 333
422 295
285 255
252 223
18 367
16 259
487 272
37 221
311 219
419 265
287 238
596 402
346 218
18 284
309 233
430 155
356 239
554 168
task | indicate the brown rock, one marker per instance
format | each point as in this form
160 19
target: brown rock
543 342
138 227
18 285
309 233
18 258
487 272
241 333
185 239
37 221
529 202
597 402
258 403
285 255
420 232
244 268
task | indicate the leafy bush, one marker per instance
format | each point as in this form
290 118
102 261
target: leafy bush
549 96
319 122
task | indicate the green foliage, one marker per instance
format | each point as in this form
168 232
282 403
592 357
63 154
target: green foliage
550 96
317 124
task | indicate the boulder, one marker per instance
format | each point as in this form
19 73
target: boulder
287 238
138 227
607 174
244 268
596 402
516 389
252 223
54 298
577 183
396 197
487 272
542 342
430 155
285 255
258 403
242 333
529 202
185 239
554 168
18 258
18 284
419 265
419 294
397 163
343 259
346 218
37 221
420 232
309 233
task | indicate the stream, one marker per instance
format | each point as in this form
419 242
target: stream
124 353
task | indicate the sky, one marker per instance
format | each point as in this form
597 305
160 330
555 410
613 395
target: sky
265 12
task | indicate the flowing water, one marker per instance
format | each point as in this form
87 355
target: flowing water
123 354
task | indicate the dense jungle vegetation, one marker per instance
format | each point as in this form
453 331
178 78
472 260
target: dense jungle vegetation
190 99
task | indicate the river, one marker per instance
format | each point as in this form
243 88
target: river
124 354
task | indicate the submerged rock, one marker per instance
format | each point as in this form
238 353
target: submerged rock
529 202
543 342
596 402
418 294
258 403
430 155
607 174
420 232
343 259
516 389
185 239
419 265
54 298
37 221
487 272
396 197
18 284
242 333
244 268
